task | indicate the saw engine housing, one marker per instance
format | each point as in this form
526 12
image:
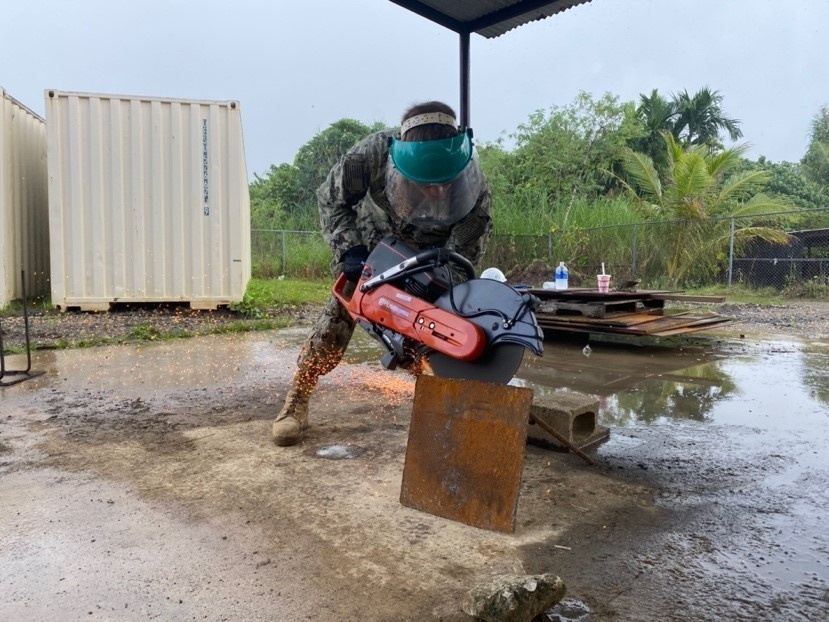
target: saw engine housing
413 304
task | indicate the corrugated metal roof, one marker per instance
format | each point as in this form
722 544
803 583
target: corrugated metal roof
488 18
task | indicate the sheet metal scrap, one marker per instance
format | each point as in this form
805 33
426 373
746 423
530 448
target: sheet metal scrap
466 451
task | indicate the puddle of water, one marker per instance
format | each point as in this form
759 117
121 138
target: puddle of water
768 388
768 403
210 361
568 610
777 387
338 452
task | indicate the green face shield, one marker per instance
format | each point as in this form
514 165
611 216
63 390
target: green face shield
434 206
432 161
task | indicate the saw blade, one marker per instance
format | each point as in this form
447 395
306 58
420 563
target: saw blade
498 365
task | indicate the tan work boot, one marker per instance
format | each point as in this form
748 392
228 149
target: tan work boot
289 423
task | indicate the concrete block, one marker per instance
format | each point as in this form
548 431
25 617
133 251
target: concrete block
571 414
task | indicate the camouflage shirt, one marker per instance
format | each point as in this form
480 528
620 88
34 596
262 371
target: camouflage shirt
354 208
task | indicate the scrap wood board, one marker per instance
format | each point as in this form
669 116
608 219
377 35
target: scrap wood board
674 322
700 324
646 324
622 320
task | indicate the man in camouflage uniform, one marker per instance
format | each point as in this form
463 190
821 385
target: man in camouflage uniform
421 184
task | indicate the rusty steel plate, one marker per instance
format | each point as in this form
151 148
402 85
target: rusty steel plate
466 451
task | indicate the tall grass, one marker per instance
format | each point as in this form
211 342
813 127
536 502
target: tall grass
263 295
298 254
580 232
531 213
276 292
523 212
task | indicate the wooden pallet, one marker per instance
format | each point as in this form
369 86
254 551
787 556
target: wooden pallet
589 308
639 313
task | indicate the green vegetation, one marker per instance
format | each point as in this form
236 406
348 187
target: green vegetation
692 120
695 189
276 293
815 288
558 164
816 160
144 332
646 187
279 253
285 196
39 304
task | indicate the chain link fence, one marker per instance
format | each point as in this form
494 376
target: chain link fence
296 254
659 255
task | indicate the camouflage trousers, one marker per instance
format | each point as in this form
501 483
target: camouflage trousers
324 348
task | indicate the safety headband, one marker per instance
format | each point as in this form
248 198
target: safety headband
425 119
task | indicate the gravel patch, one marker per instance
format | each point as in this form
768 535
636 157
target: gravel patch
801 318
133 323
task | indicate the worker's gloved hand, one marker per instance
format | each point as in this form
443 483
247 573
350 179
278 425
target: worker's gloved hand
353 260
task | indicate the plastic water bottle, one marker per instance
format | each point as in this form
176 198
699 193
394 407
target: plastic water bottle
561 276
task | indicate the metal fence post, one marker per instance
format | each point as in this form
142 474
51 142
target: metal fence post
633 254
284 255
731 254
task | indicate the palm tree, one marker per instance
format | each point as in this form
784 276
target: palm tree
697 193
657 115
700 118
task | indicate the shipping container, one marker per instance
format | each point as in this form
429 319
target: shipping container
148 201
24 208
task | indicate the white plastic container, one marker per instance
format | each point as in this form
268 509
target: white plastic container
24 228
148 201
562 276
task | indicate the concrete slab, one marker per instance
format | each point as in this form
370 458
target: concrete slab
140 482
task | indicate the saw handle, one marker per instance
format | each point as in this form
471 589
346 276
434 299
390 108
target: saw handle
445 256
427 260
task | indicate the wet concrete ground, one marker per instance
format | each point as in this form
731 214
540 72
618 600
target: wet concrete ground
139 482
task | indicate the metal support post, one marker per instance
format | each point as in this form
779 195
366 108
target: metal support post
731 254
21 374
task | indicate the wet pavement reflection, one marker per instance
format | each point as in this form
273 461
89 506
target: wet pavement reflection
714 380
778 387
754 402
762 384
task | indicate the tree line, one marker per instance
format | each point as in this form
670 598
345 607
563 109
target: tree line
600 161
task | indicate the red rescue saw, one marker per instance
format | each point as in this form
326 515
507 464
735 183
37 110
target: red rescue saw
428 306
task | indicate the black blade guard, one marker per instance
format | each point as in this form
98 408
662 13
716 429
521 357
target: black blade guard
506 318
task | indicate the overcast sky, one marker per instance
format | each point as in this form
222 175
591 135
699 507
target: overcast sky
298 66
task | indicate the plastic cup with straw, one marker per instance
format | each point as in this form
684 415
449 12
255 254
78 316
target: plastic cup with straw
603 281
